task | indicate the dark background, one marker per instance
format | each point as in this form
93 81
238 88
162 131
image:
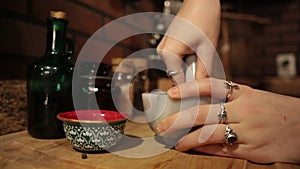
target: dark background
252 58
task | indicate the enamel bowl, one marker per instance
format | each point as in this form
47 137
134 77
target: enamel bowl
92 131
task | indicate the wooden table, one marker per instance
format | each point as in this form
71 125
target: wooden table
19 150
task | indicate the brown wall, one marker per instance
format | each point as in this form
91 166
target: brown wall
23 28
255 46
282 35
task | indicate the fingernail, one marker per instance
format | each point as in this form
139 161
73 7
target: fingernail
177 147
160 127
174 90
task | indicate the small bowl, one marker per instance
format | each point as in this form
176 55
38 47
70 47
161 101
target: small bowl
158 105
92 131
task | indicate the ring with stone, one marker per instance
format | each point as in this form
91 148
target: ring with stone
222 115
230 136
173 73
230 86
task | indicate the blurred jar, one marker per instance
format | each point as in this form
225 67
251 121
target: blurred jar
130 75
95 87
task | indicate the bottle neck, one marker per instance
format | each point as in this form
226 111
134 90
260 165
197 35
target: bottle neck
56 36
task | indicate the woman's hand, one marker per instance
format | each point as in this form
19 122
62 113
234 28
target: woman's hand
203 15
267 124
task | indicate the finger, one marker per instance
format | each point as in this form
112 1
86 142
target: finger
216 88
201 71
172 52
197 116
173 63
207 135
220 150
202 87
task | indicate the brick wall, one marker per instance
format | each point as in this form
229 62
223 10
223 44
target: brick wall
263 42
23 28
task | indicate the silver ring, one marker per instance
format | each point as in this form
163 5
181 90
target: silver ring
222 115
230 86
173 73
230 136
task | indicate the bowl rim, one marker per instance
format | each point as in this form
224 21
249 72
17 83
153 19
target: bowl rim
60 117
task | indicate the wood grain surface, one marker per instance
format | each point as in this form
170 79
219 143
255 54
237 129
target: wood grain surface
19 150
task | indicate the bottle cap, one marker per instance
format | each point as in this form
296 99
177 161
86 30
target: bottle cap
58 14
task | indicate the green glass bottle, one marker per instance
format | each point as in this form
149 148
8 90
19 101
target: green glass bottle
49 82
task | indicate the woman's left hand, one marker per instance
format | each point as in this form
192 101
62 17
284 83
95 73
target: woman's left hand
266 124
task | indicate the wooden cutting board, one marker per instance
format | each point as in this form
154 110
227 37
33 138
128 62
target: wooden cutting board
19 150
